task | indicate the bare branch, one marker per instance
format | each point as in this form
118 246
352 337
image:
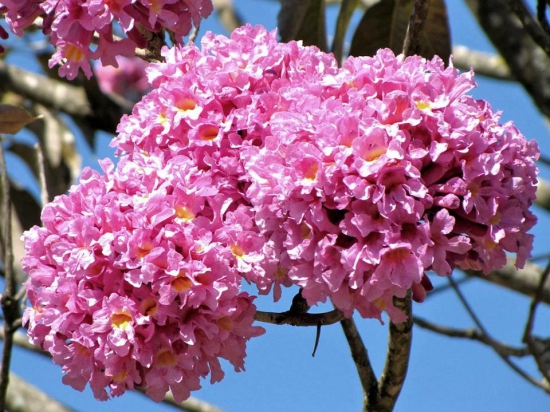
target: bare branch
543 194
10 306
344 16
360 357
23 397
543 385
44 196
530 24
21 340
524 280
191 404
101 112
541 16
472 334
299 319
528 333
413 38
527 61
227 14
397 358
484 64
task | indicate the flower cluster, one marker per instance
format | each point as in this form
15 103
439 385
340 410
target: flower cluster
360 179
128 80
256 160
131 285
73 25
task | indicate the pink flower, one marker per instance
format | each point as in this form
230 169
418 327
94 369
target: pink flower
356 181
260 161
127 80
129 255
72 24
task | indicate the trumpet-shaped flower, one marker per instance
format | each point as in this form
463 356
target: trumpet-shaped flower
257 160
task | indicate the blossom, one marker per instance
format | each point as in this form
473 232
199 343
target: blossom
360 180
127 80
73 25
259 161
126 293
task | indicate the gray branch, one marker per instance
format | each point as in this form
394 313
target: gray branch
83 103
528 62
23 397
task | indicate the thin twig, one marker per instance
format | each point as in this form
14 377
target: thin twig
444 288
528 333
297 319
543 385
472 334
413 38
466 305
10 306
397 358
194 33
361 359
44 195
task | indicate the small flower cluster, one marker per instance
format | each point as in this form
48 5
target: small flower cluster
131 285
73 25
128 80
256 160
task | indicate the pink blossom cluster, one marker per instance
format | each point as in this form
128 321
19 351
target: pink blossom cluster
256 160
132 285
360 179
128 80
83 30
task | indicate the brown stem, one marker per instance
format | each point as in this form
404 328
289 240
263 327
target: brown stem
397 358
528 337
413 38
530 24
97 110
10 306
472 334
361 359
299 319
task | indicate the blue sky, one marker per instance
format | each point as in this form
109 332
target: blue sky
444 375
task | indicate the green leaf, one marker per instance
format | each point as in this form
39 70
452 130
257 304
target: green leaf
303 20
384 24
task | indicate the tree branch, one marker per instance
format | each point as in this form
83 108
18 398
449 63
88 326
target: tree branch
543 385
229 18
530 24
23 397
472 334
524 280
527 61
360 357
528 337
413 39
484 64
97 110
299 319
397 358
10 306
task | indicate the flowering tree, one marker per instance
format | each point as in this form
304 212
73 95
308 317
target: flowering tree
259 161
